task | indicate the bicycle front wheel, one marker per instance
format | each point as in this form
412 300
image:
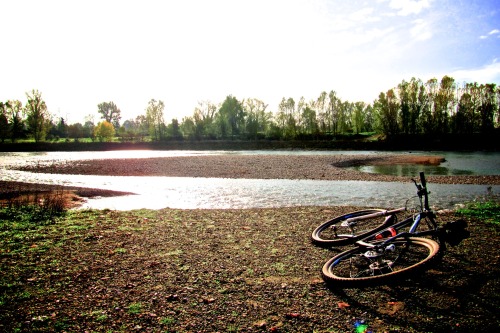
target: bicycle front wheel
336 232
361 267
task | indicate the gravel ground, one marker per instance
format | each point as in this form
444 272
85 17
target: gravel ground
334 167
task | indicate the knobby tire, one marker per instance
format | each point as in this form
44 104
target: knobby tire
322 235
353 269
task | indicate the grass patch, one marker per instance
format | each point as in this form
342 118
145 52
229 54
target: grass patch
135 308
489 212
167 321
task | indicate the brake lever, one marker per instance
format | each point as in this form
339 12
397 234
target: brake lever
417 185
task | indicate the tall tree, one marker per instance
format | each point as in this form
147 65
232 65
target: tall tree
386 108
110 113
257 119
232 117
334 112
324 112
4 122
463 121
188 128
173 130
358 117
417 102
286 118
444 103
489 107
404 99
204 116
154 116
37 115
310 123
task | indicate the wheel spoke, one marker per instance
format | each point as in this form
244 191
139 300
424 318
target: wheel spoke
363 265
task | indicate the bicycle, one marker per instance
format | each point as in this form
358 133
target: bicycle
384 249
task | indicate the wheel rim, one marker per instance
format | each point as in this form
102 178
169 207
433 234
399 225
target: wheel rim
332 232
361 266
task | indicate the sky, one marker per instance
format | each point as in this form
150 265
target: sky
82 53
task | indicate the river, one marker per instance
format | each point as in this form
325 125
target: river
222 193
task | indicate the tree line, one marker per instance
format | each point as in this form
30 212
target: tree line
413 107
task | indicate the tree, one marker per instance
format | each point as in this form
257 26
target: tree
142 125
15 115
75 131
154 116
358 117
489 107
203 118
37 115
286 118
417 102
324 112
104 131
62 128
386 110
310 124
110 113
257 120
173 130
444 103
404 99
4 123
188 128
334 112
231 117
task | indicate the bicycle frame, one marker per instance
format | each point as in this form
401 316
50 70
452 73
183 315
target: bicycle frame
413 221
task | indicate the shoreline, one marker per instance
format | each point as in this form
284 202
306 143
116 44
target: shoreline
310 167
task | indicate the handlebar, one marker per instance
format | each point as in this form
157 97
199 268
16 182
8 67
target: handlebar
422 190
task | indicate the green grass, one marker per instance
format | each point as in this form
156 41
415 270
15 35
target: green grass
489 211
135 308
167 321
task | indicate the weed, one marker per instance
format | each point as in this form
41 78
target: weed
135 308
174 253
232 328
61 325
280 267
487 211
167 321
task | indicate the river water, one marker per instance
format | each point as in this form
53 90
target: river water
188 193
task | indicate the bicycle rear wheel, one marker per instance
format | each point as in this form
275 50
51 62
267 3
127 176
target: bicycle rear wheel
334 233
361 267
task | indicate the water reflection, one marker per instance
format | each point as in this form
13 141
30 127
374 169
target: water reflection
254 193
410 170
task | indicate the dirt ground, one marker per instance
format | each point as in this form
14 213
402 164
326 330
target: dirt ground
229 271
252 270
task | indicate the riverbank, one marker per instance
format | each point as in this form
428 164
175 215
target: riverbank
449 142
252 270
